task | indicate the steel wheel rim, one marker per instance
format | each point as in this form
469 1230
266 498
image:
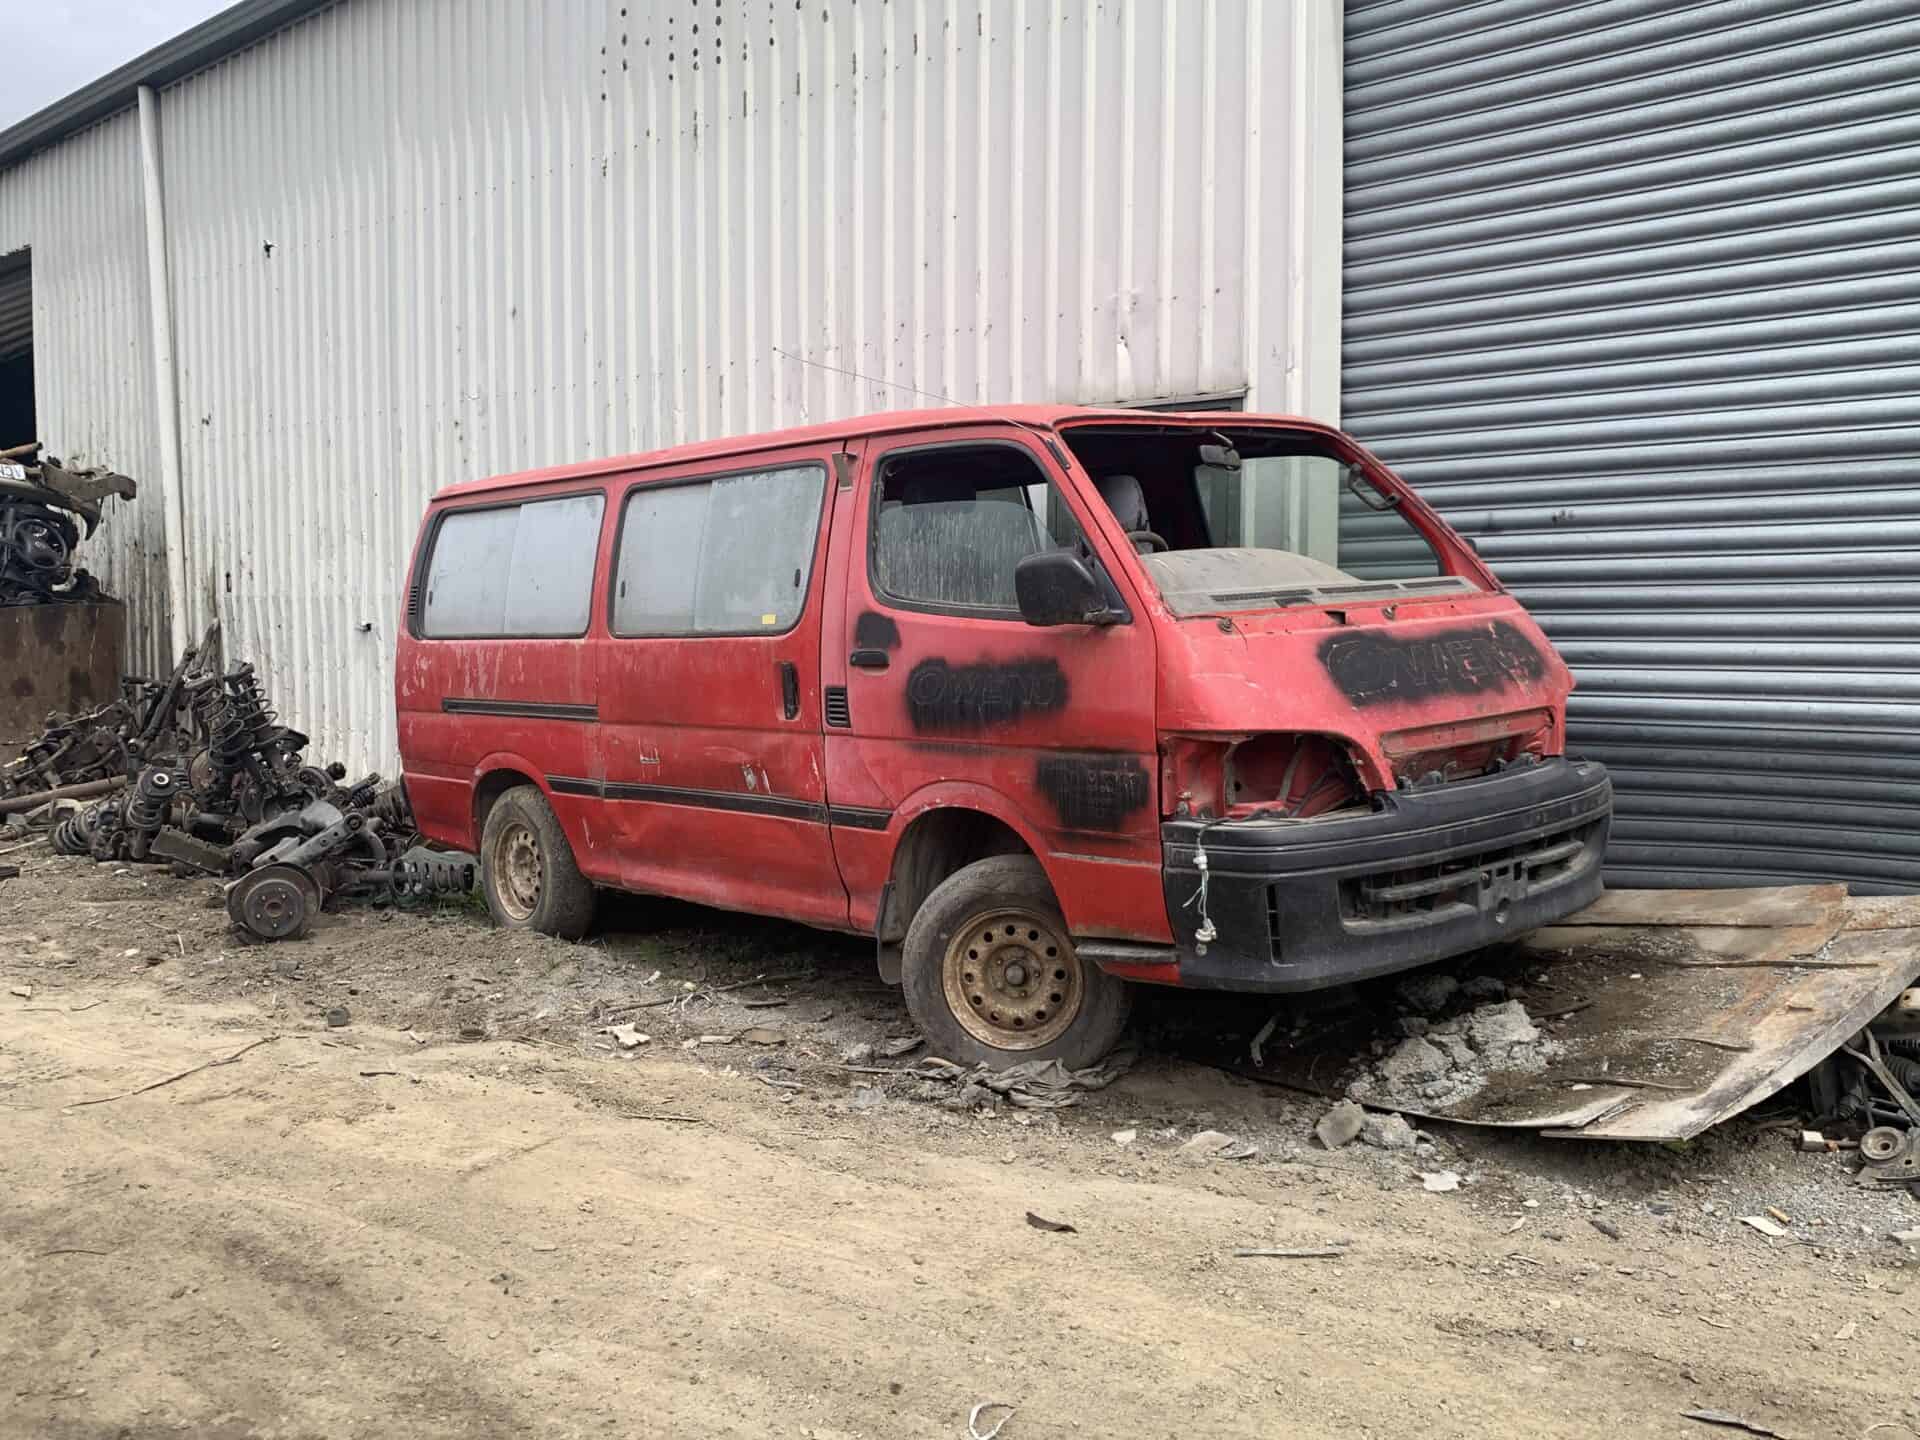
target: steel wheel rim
517 870
1012 979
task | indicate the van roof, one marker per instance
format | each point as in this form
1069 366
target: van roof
1042 417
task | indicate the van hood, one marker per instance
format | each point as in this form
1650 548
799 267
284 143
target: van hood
1399 681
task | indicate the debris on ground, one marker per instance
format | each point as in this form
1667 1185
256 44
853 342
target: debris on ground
1034 1085
1650 1016
1056 1227
46 510
1388 1132
209 781
1439 1181
1316 1252
1451 1059
628 1037
1765 1226
1730 1421
1341 1125
1426 994
973 1419
1211 1145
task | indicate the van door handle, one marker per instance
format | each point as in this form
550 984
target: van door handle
868 659
789 690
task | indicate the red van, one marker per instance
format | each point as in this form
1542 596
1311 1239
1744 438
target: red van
1046 700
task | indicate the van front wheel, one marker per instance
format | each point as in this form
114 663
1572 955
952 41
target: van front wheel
991 974
528 871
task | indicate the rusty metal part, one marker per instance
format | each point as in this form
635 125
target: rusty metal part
46 510
1883 1143
14 804
219 785
1012 980
275 902
1873 1061
421 873
184 849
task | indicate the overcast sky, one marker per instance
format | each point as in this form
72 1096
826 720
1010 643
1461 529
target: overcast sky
53 47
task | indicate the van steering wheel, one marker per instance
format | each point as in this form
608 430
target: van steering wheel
1136 536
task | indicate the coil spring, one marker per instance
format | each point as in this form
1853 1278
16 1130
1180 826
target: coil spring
152 798
248 704
391 809
74 834
362 796
1902 1045
104 835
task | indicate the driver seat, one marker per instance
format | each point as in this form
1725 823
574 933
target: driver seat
1128 502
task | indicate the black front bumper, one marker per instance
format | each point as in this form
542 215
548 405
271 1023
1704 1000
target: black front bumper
1305 904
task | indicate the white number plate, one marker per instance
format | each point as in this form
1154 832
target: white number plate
11 471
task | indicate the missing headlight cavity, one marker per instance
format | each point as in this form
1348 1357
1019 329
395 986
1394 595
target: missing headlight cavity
1296 775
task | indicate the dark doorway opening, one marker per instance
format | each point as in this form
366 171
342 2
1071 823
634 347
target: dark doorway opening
18 423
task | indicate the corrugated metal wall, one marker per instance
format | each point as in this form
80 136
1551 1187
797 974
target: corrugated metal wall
1633 294
418 241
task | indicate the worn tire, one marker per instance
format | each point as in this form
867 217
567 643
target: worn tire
521 832
1003 888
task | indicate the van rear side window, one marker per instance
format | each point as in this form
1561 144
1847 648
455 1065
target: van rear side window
513 570
727 556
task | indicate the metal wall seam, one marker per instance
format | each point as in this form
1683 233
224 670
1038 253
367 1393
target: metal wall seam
1631 296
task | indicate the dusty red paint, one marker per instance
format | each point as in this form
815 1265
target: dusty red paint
1079 739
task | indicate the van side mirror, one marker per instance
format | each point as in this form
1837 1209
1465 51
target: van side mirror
1057 587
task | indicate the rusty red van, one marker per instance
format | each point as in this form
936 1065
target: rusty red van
1048 701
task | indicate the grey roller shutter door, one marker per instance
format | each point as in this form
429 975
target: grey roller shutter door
1632 293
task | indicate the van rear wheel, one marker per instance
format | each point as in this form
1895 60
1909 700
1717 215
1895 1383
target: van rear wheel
990 973
528 871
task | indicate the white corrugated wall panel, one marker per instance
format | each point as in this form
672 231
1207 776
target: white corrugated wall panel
507 233
79 211
1633 295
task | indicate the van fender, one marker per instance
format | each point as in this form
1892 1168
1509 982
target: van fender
967 795
485 769
908 890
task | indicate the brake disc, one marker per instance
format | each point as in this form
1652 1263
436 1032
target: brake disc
275 902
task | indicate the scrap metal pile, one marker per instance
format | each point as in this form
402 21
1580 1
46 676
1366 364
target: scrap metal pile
204 777
46 510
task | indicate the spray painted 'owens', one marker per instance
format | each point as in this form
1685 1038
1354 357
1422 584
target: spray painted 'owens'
1046 700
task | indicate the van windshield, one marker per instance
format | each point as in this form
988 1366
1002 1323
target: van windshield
1237 519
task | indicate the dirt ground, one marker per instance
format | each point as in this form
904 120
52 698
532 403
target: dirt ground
467 1211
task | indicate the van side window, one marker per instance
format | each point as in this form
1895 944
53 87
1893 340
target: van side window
727 556
519 570
951 523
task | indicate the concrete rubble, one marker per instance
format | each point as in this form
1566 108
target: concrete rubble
1449 1060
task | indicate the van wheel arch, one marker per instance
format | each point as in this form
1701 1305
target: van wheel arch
487 793
933 846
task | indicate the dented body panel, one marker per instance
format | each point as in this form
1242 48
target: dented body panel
1372 779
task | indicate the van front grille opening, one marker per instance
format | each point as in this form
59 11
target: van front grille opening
1465 883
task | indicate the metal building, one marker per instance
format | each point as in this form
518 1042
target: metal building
1629 292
